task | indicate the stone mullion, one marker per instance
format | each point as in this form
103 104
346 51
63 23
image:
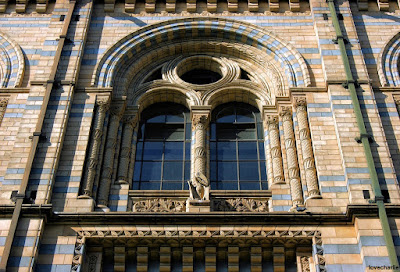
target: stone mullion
117 152
108 161
200 125
256 259
279 258
126 147
233 258
119 258
187 259
275 149
142 255
307 152
101 155
211 259
95 148
291 157
165 259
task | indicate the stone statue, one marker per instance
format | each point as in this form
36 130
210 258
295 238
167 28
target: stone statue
199 187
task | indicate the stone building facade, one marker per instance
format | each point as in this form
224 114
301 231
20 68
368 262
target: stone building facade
199 135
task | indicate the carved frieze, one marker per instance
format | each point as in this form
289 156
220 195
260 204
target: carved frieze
240 205
159 205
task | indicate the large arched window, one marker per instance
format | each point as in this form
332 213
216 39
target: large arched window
163 148
237 148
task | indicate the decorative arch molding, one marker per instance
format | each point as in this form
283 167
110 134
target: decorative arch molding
291 62
12 63
388 63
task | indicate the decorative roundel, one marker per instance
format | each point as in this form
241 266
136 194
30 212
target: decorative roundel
201 72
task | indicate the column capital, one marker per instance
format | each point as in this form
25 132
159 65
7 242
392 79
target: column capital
300 101
3 102
131 116
285 111
271 119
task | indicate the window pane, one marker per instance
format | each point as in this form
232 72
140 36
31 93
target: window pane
226 115
153 151
248 151
261 150
173 151
226 151
178 118
156 119
213 171
246 133
263 170
187 150
137 170
244 116
213 151
264 185
188 135
249 185
248 171
260 131
227 171
225 132
213 132
227 185
187 171
139 149
173 133
171 185
172 171
151 171
147 185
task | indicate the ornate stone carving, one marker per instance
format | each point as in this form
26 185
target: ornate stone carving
306 147
159 205
305 264
92 263
199 186
291 154
126 147
102 106
108 161
240 205
272 123
3 107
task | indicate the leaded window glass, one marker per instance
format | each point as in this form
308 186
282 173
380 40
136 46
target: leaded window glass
163 148
237 157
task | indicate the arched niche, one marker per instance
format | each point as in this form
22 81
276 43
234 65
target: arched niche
12 63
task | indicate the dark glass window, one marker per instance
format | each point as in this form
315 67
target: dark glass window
163 148
237 148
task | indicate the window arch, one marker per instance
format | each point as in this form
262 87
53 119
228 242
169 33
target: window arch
163 148
237 157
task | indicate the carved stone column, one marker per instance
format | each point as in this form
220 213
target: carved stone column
109 152
306 147
130 121
272 123
397 102
102 107
199 186
291 154
3 106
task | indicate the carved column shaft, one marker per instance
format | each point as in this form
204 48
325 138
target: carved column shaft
200 124
126 147
275 149
95 147
307 152
291 154
108 162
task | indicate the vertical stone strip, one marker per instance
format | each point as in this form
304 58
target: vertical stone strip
130 121
256 259
102 107
233 259
279 258
272 122
211 259
200 122
142 259
306 147
109 152
396 101
291 154
3 106
165 259
187 259
119 258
